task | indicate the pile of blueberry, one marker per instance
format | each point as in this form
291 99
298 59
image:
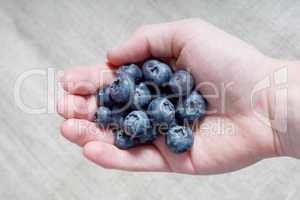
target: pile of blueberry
143 103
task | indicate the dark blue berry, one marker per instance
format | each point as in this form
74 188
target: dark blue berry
122 89
103 96
103 116
161 110
121 110
157 72
122 104
179 139
192 108
136 123
149 136
123 141
181 83
118 113
142 96
116 122
132 70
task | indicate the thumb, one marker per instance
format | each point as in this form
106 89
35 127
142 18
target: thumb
157 40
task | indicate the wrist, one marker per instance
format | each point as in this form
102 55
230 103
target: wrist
284 102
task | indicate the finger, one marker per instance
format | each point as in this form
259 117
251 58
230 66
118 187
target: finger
72 106
81 132
86 80
151 40
145 158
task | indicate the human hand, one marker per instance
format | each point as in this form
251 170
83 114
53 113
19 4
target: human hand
225 70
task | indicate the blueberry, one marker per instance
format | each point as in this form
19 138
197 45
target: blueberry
157 72
122 104
142 96
118 112
149 136
179 139
132 70
103 96
122 89
103 116
121 110
116 122
181 83
123 141
192 108
161 110
136 123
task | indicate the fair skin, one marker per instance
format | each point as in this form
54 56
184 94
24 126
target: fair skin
213 57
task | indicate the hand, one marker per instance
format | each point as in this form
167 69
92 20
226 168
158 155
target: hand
225 70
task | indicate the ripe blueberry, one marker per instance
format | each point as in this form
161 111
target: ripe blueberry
132 70
179 139
157 89
121 110
181 83
149 136
117 115
161 110
157 72
136 123
103 97
192 108
123 141
103 116
116 122
122 89
142 96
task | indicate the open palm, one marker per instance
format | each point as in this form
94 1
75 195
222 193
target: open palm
225 70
